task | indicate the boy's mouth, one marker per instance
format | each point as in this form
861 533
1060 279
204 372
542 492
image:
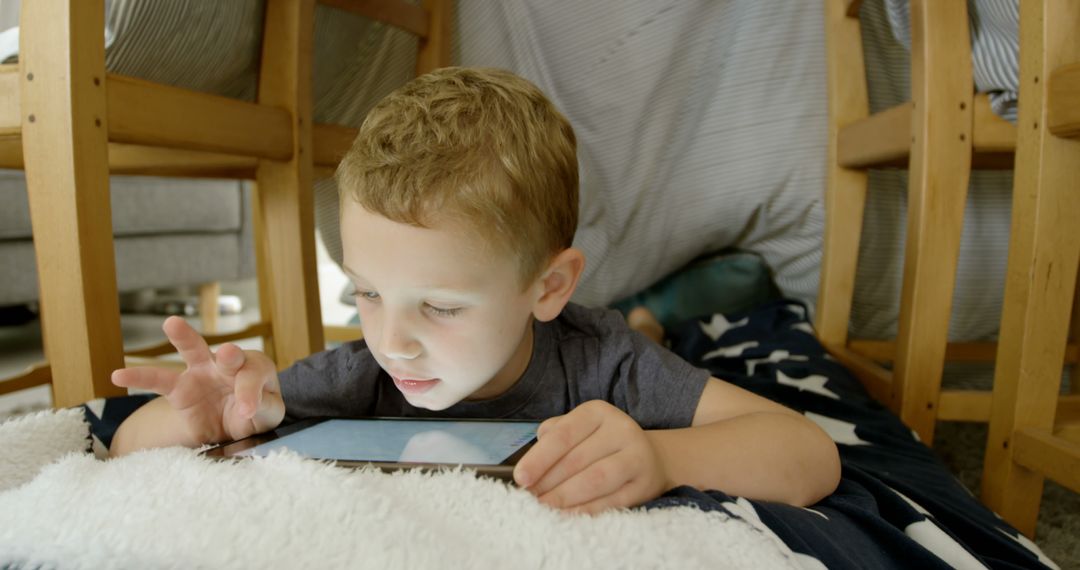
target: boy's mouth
413 386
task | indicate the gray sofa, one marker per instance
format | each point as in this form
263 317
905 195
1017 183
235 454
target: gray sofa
167 232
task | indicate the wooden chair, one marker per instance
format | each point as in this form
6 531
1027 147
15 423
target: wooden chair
69 123
1031 433
943 132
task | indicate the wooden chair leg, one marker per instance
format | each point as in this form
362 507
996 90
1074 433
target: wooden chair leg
1074 373
209 296
285 202
65 147
434 50
939 170
845 190
1044 250
262 272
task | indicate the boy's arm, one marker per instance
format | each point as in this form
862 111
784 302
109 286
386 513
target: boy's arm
596 457
749 446
157 424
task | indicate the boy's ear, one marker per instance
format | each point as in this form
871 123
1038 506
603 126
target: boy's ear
558 282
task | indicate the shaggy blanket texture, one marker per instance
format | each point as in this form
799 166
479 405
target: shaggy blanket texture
60 506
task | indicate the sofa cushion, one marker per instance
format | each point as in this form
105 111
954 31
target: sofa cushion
140 206
192 259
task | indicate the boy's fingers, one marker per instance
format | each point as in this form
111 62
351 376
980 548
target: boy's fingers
586 453
622 497
248 389
598 480
189 344
157 380
229 359
556 442
546 425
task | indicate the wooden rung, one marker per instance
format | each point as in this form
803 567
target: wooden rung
412 19
323 172
876 379
334 333
1069 432
1068 409
1054 457
885 351
158 161
974 406
992 135
142 112
133 361
964 406
160 130
251 331
36 375
41 373
151 114
884 139
1063 101
851 8
152 161
331 142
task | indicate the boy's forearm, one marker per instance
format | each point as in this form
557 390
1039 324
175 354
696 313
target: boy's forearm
155 424
766 456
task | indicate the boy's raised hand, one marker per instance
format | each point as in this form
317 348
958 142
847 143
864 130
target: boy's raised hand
592 459
224 396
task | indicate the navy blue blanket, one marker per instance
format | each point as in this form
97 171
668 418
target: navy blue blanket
897 505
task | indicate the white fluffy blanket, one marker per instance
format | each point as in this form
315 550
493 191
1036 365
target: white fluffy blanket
62 507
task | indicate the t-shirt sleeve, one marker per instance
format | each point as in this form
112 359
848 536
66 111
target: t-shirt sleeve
341 383
653 385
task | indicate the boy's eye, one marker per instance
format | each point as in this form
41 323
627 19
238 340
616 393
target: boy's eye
367 295
443 312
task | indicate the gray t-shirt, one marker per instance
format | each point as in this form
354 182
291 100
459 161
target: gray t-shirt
583 354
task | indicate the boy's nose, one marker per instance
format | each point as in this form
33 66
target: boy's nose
397 342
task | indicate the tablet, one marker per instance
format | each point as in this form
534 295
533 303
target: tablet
491 447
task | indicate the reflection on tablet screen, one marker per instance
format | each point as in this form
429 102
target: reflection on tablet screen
404 441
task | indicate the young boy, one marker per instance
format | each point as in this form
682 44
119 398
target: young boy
459 205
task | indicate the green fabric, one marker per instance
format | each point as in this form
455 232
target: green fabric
725 283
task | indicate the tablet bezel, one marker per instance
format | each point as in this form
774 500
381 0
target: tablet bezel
504 470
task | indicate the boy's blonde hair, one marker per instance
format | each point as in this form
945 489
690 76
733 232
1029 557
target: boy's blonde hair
480 148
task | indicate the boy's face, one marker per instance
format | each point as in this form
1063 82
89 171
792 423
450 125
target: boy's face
447 320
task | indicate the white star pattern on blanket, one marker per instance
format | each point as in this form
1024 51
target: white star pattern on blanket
813 383
774 356
745 510
730 351
719 325
1034 548
799 310
840 431
927 533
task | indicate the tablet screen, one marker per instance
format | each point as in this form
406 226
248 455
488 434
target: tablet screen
406 441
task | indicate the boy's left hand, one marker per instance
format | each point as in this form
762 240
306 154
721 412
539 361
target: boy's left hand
592 459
